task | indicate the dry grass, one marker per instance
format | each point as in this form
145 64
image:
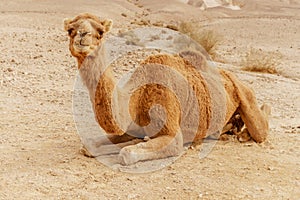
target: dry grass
257 60
208 39
240 3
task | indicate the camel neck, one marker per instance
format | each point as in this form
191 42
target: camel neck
91 69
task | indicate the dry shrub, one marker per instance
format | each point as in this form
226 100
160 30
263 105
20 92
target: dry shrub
208 39
257 60
188 27
240 3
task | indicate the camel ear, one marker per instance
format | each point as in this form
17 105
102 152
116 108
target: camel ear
107 25
66 23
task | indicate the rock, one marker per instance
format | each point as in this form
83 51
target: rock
270 168
9 69
159 24
172 27
39 56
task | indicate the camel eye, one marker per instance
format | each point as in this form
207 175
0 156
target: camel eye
101 32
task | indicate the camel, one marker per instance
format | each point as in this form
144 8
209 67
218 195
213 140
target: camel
87 35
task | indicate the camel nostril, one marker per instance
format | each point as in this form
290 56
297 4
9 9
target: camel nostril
84 34
81 43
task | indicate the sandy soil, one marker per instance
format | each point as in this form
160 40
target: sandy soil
39 144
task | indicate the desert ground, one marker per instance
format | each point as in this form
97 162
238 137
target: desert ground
39 144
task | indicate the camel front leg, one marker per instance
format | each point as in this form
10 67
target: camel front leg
107 149
107 144
108 139
160 147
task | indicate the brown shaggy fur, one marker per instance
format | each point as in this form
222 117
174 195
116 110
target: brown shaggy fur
86 32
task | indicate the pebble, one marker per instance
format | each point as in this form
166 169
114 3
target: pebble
172 27
39 56
10 69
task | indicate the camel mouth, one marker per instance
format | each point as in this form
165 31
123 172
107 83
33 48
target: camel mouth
83 48
83 44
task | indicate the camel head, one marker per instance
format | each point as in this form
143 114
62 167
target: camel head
86 33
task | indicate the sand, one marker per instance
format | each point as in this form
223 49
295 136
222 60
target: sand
39 144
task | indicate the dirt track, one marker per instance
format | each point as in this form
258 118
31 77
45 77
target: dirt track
39 145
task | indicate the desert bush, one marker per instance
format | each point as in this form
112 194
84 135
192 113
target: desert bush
240 3
208 39
257 60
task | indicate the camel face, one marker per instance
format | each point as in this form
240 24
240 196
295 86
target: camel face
85 39
86 33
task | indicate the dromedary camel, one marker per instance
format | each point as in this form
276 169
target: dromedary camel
86 34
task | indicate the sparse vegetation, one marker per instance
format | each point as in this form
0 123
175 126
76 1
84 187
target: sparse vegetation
208 39
240 3
257 60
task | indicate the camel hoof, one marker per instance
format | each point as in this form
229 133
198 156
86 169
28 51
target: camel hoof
127 156
83 150
244 136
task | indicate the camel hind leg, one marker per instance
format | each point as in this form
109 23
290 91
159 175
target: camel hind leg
255 119
244 135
